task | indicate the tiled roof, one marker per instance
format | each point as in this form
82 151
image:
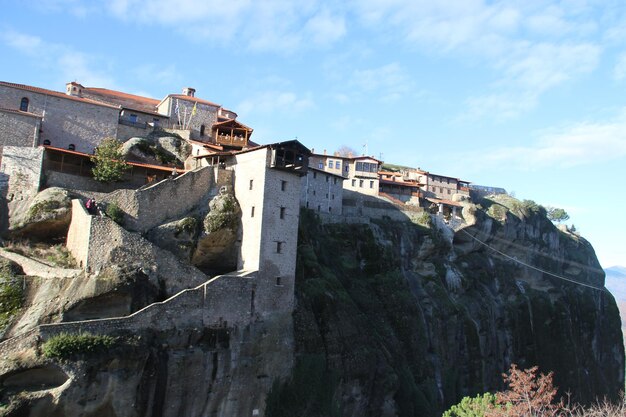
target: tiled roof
232 121
125 100
21 113
400 183
56 94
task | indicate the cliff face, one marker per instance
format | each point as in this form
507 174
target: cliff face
391 319
396 319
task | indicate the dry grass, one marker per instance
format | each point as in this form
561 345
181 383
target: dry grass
53 255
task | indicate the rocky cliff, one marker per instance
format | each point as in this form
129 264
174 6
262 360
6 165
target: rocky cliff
397 320
391 319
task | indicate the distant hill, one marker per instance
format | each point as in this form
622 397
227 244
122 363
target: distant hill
616 282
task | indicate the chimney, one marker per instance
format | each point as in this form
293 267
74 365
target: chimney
188 91
74 89
324 151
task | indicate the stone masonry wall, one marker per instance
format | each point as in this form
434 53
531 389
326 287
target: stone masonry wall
224 301
168 199
108 243
321 192
79 233
67 120
18 129
22 169
249 191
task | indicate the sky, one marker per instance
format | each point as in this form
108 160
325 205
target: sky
524 95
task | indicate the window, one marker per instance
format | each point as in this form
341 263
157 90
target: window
326 178
71 147
334 180
320 165
330 209
279 247
24 104
326 195
252 212
314 174
360 183
346 167
278 281
156 121
371 184
133 118
354 183
332 197
448 191
319 208
202 130
283 185
307 204
251 184
314 192
441 190
337 164
330 163
282 212
46 142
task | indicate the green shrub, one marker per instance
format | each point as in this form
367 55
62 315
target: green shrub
115 213
11 295
109 165
472 407
67 345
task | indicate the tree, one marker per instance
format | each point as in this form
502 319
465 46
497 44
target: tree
346 151
528 395
109 161
472 407
558 215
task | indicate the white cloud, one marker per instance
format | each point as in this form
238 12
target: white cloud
276 102
269 25
580 144
68 63
532 47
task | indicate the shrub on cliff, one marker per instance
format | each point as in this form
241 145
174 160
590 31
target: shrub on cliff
11 294
472 407
109 161
66 345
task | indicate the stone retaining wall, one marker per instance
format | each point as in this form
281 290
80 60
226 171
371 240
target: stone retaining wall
224 301
168 199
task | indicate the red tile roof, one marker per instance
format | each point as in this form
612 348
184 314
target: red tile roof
234 122
125 100
55 94
447 202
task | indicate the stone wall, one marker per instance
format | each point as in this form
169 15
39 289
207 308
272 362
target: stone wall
205 115
168 199
78 235
18 129
224 301
67 120
81 182
20 179
249 179
107 243
321 192
358 205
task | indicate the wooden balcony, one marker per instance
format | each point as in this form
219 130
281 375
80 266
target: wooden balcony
231 140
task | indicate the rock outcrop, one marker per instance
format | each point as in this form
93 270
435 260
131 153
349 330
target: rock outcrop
391 319
216 248
157 148
46 216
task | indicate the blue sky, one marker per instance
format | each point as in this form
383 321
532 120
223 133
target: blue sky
526 95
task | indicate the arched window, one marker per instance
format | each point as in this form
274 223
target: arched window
71 147
46 142
202 130
24 104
